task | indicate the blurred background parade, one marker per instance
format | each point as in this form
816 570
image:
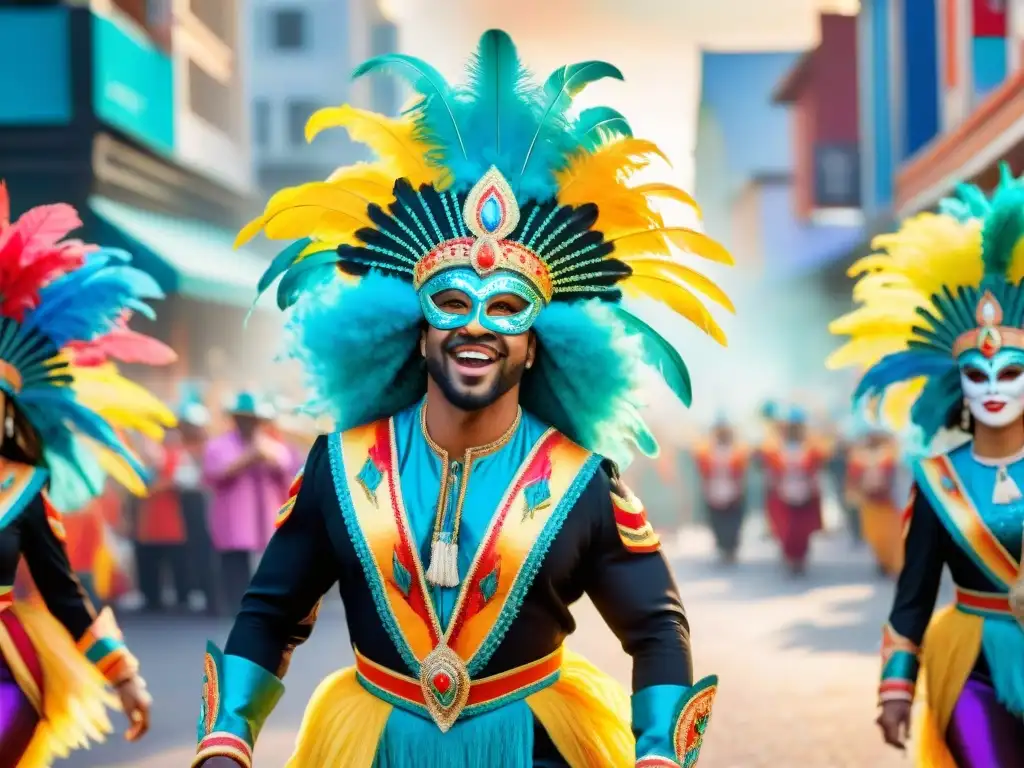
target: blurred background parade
802 127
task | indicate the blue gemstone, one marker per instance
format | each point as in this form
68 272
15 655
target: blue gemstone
490 214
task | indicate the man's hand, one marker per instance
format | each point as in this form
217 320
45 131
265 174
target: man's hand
135 701
895 722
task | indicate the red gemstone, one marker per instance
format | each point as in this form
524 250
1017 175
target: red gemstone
442 682
485 256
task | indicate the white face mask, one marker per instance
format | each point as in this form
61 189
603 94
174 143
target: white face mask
993 388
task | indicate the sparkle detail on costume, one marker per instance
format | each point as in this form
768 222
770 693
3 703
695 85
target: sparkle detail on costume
484 694
211 695
445 683
990 336
692 720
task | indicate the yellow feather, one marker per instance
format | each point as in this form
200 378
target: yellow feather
678 298
873 320
865 351
119 470
656 267
319 209
669 192
655 241
123 403
612 162
391 139
1015 272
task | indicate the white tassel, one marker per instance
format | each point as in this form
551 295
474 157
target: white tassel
443 570
1005 490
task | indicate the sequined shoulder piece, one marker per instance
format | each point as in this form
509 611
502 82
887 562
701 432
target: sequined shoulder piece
635 531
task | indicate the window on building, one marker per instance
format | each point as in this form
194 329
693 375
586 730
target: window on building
299 111
261 122
219 16
289 29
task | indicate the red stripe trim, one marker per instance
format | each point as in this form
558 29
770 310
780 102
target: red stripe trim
631 520
24 647
483 691
219 740
894 684
983 601
643 548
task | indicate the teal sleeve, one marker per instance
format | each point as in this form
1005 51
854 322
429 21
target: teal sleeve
238 696
669 722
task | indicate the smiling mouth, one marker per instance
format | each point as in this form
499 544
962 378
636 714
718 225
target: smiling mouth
993 406
474 358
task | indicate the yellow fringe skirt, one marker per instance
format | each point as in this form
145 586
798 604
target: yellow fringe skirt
586 713
882 530
74 697
948 654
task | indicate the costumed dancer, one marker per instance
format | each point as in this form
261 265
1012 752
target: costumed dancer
63 316
792 467
457 311
722 462
941 331
869 490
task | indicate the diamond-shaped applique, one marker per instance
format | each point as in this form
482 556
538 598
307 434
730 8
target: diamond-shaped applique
369 478
489 583
400 574
537 496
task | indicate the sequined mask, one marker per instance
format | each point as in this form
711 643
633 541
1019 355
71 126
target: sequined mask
486 265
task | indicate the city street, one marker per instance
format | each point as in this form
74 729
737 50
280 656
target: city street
797 660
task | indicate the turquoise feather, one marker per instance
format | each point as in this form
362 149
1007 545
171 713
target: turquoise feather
561 87
598 125
281 264
312 269
1004 228
437 116
660 355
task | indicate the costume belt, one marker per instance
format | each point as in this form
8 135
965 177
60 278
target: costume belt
986 604
484 694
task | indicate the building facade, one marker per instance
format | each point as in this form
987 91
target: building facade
136 113
301 59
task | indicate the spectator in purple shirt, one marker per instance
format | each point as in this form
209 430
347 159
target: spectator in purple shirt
248 473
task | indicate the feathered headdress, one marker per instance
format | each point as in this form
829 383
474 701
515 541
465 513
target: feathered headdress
944 283
494 176
64 309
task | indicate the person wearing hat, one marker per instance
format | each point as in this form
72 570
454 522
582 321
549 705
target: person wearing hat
247 471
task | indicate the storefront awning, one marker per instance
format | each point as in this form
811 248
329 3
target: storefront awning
188 257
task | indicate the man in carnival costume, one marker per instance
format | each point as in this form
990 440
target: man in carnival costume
941 331
457 312
792 462
722 463
63 312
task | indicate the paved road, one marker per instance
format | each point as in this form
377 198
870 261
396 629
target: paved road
797 658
